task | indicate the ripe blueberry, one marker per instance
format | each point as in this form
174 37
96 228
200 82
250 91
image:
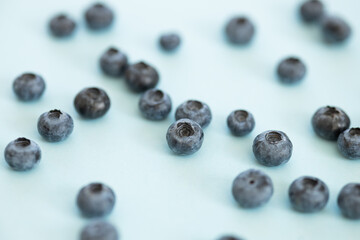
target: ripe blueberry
312 11
141 77
349 200
308 194
22 154
328 122
29 87
99 230
335 30
92 103
99 16
252 188
185 137
272 148
349 143
169 41
240 122
155 104
96 200
62 25
55 125
291 70
239 30
113 62
196 111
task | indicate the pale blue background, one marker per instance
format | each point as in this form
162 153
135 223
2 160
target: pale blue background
159 195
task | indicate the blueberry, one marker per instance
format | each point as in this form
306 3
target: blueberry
99 16
99 230
22 154
272 148
252 188
328 122
155 104
29 87
96 200
92 103
240 122
335 30
349 200
229 237
308 194
169 41
113 62
196 111
239 30
312 11
185 137
291 70
141 77
55 125
349 143
62 26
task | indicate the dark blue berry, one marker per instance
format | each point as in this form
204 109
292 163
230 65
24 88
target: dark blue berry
113 62
335 30
96 200
252 188
22 154
185 137
92 103
155 104
349 143
308 194
62 26
272 148
328 122
196 111
99 16
55 125
240 122
29 87
141 77
291 70
99 230
230 237
349 200
239 30
169 41
312 11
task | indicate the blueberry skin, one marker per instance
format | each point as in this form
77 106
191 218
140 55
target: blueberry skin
92 103
55 125
312 11
62 26
349 200
230 237
240 122
349 143
185 137
252 188
141 77
113 62
291 70
155 104
29 87
96 200
196 111
99 230
169 41
328 122
335 30
272 148
239 30
308 194
22 154
99 16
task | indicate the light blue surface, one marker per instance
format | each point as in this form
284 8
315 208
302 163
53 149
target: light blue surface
159 195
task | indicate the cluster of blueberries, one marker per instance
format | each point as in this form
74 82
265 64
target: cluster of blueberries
251 188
